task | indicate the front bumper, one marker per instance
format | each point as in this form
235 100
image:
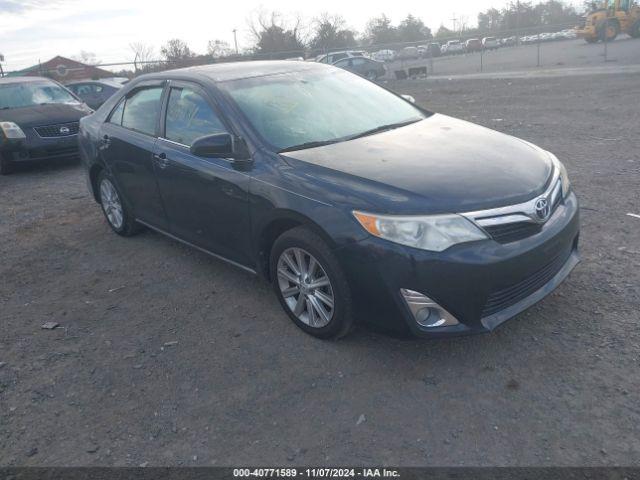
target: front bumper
482 284
35 148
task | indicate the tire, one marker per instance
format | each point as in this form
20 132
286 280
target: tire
298 246
602 33
115 210
592 39
6 167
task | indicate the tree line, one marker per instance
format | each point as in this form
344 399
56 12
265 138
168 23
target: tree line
274 35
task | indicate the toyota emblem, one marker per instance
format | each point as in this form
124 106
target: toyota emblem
64 130
543 209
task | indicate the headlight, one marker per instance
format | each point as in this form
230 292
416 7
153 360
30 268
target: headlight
11 131
435 233
564 177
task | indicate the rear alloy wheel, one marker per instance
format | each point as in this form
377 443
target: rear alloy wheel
114 209
310 284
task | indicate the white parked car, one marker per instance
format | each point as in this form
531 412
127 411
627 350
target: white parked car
490 43
408 53
384 55
453 47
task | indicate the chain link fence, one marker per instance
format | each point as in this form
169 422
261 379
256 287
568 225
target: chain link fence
523 49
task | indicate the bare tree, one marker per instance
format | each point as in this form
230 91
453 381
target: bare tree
176 52
274 34
219 48
331 32
143 55
88 58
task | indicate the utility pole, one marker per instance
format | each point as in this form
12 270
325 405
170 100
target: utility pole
518 22
235 39
1 70
454 21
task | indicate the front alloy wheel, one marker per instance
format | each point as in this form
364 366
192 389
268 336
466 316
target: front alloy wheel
305 287
310 283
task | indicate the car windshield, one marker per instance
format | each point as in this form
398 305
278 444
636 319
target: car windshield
302 109
28 94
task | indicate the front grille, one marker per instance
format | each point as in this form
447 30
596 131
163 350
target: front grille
509 296
512 232
58 130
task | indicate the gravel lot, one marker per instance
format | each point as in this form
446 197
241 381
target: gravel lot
556 386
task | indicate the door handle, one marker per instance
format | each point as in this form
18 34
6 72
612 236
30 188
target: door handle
161 159
105 142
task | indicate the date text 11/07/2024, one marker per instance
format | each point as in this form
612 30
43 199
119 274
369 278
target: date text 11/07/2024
315 473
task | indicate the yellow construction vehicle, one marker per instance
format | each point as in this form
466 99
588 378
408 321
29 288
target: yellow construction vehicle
610 18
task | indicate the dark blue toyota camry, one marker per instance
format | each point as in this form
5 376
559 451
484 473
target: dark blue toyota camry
356 204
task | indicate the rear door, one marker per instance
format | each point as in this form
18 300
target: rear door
206 199
128 141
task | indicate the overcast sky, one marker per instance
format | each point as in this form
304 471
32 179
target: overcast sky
36 30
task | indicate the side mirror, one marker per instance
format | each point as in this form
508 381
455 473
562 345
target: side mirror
409 98
218 145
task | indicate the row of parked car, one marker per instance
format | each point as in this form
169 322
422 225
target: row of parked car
435 49
568 34
459 46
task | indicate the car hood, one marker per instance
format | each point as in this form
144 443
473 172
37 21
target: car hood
45 114
440 164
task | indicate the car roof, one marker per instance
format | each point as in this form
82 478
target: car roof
5 80
223 72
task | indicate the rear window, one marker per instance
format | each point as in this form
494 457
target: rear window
141 110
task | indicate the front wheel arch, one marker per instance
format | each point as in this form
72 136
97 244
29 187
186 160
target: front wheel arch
282 221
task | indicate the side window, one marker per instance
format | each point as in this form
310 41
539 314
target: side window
116 115
97 88
359 61
189 116
339 56
342 63
141 110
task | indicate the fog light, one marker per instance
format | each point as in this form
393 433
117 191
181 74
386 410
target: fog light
426 312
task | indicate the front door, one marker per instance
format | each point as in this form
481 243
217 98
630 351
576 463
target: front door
128 141
206 199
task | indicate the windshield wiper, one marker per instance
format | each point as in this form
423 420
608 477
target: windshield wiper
384 128
373 131
304 146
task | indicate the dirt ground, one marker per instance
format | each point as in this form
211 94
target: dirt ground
557 385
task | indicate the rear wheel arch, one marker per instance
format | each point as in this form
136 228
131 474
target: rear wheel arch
94 175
